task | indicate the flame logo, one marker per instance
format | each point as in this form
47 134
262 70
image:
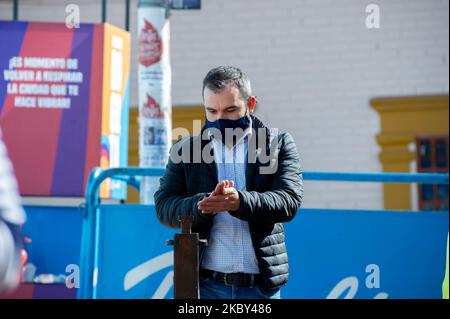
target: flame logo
150 45
152 109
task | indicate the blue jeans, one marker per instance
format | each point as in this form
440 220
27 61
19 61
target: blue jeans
210 289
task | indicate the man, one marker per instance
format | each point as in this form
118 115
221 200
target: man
247 182
12 217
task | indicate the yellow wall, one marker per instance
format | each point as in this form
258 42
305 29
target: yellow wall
182 117
402 120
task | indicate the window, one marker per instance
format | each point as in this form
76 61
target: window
432 157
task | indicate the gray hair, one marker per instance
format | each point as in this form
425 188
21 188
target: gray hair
221 76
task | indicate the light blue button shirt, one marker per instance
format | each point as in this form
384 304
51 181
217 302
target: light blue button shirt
230 248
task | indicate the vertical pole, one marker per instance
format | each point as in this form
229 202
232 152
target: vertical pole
127 15
154 90
103 11
16 10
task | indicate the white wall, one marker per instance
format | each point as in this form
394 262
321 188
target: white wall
313 64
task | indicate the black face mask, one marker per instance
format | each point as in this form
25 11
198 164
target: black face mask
222 124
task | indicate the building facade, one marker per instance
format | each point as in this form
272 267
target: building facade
355 98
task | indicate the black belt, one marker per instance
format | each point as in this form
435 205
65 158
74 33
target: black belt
232 279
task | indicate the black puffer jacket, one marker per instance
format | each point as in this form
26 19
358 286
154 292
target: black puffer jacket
269 199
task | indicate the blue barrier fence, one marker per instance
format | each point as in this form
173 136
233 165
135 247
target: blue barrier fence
332 252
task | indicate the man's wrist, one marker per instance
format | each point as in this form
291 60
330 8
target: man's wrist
238 204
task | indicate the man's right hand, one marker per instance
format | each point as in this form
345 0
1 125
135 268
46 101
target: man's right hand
223 198
221 186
